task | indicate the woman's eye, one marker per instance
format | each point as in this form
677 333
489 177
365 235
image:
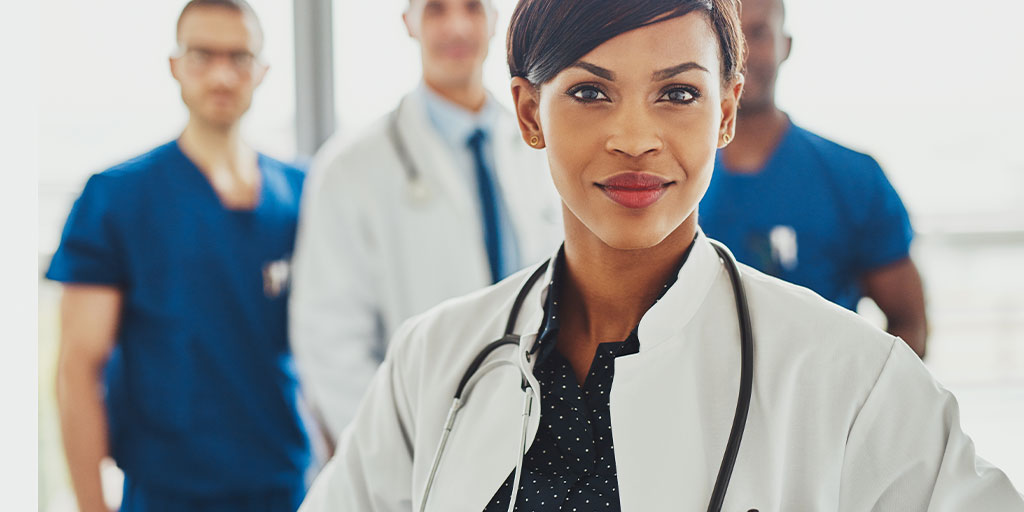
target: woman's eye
679 95
588 94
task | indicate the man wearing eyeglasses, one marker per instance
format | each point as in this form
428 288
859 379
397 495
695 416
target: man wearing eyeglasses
174 357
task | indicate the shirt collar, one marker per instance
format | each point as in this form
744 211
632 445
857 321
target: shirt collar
453 122
548 336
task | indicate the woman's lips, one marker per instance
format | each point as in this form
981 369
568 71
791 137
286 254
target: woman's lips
634 189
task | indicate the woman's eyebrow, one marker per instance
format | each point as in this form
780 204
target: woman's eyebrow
662 74
597 70
667 73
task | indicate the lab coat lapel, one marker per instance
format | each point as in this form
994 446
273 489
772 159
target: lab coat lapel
432 158
671 314
482 450
668 451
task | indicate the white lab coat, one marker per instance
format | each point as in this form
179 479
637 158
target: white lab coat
843 416
368 256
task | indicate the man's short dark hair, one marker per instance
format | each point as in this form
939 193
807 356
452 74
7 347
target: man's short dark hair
240 6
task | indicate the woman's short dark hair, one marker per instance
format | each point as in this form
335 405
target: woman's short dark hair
547 36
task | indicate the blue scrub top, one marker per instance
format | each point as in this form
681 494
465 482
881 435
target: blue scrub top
818 215
201 390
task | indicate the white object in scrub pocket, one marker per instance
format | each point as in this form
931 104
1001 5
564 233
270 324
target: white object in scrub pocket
784 246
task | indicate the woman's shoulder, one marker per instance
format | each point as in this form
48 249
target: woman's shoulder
796 323
829 357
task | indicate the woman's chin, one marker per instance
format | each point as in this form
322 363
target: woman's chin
639 231
636 234
625 239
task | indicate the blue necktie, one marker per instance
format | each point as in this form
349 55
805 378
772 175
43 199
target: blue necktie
490 204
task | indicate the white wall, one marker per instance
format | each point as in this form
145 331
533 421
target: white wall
930 87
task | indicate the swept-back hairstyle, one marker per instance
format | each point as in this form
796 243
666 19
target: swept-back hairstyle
547 36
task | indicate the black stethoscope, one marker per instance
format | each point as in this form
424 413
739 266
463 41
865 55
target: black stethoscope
477 369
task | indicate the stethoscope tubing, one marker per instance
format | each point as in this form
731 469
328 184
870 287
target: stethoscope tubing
477 369
453 411
739 422
412 174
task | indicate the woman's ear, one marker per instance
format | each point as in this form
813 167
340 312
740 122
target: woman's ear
526 98
730 106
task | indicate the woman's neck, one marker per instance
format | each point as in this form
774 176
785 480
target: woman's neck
608 290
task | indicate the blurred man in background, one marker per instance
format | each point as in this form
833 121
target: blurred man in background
439 198
174 358
805 209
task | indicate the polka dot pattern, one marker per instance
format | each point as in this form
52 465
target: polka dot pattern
571 464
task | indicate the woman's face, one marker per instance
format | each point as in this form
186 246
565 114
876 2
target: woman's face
631 129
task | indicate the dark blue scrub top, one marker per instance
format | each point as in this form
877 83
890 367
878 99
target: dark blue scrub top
201 391
818 215
571 463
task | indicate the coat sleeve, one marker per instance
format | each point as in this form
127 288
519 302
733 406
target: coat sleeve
334 307
371 470
907 452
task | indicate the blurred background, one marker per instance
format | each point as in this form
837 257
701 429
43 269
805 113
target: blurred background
928 87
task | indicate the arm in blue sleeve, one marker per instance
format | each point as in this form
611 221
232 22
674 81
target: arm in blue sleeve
886 233
90 249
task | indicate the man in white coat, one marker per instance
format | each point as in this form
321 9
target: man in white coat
437 199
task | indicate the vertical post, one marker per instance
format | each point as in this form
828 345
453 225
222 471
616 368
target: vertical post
314 74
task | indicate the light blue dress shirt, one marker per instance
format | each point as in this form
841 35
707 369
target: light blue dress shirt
455 124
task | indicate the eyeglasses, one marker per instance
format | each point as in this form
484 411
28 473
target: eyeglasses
202 59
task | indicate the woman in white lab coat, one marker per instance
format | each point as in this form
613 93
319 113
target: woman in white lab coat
630 337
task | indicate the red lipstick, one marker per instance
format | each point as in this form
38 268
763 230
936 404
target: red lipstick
634 189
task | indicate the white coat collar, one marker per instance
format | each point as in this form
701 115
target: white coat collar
667 317
677 307
454 123
532 316
434 160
